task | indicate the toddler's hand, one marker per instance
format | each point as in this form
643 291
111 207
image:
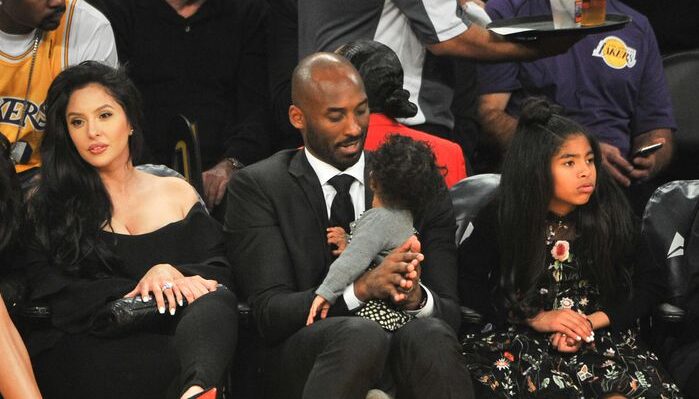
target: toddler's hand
319 304
338 237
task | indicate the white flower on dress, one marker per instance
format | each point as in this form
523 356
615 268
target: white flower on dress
583 301
502 364
561 251
584 373
609 352
566 303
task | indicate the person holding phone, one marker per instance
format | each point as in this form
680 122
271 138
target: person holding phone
611 83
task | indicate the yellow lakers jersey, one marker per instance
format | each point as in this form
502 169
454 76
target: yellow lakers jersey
51 59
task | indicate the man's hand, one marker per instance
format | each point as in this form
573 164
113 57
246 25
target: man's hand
395 278
414 294
649 166
616 164
215 180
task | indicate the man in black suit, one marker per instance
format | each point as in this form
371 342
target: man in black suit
278 213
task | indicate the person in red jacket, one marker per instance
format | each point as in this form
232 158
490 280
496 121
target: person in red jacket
382 73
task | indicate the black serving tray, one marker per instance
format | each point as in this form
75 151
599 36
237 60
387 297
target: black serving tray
535 27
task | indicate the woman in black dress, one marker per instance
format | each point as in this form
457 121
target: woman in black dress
556 266
103 230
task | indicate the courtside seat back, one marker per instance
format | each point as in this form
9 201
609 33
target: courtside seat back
681 72
469 196
669 219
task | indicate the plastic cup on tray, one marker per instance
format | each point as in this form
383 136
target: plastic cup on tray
566 13
593 12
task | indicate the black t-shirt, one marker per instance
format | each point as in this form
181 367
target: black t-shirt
210 67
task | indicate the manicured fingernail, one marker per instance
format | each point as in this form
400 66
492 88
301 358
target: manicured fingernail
172 311
181 302
589 339
161 310
577 338
146 298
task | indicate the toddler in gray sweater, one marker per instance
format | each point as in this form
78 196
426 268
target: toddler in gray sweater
404 179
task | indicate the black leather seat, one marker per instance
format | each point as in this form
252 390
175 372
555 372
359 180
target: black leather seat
671 229
681 72
668 222
468 197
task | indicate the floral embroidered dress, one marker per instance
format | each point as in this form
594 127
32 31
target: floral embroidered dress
520 362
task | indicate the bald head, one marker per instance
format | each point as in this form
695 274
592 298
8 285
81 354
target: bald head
330 108
318 70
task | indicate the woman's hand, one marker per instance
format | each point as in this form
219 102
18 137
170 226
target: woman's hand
165 281
564 321
193 287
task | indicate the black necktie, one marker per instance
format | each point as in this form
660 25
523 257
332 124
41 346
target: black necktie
342 210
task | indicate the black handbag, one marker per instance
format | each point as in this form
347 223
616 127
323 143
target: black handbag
126 315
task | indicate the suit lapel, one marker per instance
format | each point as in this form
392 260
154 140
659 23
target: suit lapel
308 181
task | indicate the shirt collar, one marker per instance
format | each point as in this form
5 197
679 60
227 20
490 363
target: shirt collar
325 171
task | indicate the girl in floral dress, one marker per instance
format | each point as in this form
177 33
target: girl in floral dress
557 269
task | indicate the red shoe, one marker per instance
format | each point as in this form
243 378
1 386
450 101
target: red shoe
208 394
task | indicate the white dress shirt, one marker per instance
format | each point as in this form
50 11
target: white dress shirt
324 171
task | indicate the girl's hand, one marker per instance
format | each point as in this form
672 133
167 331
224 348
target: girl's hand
319 305
564 343
338 237
165 281
564 321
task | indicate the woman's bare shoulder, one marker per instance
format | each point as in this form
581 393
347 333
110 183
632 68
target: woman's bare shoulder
173 188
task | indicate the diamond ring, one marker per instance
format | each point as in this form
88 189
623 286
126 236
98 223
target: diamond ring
167 286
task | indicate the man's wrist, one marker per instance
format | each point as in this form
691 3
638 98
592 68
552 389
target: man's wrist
360 291
233 164
419 300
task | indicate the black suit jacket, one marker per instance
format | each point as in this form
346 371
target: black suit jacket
276 221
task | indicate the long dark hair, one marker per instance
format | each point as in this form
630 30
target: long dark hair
605 225
71 205
10 198
382 74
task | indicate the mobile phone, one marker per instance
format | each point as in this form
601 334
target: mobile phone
647 150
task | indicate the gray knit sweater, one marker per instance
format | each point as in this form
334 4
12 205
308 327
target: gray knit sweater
374 234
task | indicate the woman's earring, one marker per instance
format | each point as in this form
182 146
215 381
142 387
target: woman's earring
131 132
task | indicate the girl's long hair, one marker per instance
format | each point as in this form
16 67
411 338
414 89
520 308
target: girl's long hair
604 226
71 204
